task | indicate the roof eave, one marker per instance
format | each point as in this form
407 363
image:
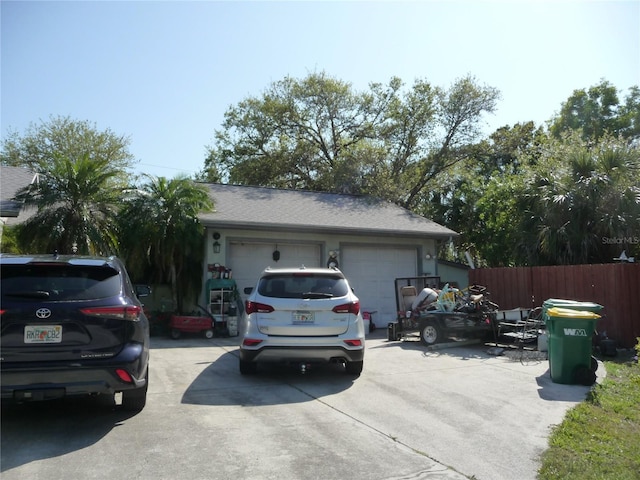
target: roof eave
329 229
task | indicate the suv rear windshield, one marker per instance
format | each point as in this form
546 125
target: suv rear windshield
302 286
58 282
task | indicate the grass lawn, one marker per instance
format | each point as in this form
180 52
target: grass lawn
600 438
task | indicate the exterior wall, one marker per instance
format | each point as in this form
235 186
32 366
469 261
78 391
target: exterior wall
331 242
452 274
426 263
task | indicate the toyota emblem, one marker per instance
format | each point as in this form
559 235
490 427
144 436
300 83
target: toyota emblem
43 313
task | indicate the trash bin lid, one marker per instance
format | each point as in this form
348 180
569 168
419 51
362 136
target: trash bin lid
572 304
554 302
559 312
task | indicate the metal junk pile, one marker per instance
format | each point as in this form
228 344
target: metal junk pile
436 315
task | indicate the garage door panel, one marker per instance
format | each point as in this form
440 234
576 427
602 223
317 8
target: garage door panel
372 271
248 260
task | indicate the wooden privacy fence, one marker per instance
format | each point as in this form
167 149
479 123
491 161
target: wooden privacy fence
614 286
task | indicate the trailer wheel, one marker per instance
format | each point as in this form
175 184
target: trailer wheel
430 333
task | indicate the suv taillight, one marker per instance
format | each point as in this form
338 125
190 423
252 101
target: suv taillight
123 312
353 307
256 307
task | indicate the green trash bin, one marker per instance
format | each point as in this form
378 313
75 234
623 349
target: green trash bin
571 305
570 338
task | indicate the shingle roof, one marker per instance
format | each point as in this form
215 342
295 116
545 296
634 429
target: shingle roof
12 179
268 208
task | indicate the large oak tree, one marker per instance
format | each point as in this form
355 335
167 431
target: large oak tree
317 133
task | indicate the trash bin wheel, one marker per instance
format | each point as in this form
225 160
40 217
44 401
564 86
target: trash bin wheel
584 376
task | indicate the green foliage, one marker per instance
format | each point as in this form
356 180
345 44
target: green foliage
598 111
319 134
499 238
63 137
511 150
525 198
161 236
459 112
295 135
74 203
583 195
210 172
9 240
81 173
483 197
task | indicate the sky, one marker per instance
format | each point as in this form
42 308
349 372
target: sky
163 73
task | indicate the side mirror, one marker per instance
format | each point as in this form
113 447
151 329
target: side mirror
142 290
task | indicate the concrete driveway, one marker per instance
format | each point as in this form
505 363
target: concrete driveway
454 413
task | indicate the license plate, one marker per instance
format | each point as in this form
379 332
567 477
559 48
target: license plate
43 334
303 317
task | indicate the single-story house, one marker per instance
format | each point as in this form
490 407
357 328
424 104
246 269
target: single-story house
371 241
251 228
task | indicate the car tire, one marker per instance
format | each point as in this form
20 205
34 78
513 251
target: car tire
248 368
175 333
208 333
354 368
135 400
430 333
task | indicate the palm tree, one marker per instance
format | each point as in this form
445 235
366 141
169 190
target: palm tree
593 195
161 236
76 202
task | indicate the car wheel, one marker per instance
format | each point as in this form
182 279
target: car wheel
208 333
430 333
247 368
135 400
175 333
354 368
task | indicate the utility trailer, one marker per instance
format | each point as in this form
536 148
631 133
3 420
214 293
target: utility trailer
436 315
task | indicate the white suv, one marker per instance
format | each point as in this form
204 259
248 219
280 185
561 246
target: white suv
302 316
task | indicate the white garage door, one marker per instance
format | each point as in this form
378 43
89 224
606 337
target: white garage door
372 271
248 260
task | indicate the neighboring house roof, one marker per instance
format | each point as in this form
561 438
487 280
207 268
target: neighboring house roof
461 266
264 208
12 179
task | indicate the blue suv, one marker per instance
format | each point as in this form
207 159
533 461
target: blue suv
71 325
